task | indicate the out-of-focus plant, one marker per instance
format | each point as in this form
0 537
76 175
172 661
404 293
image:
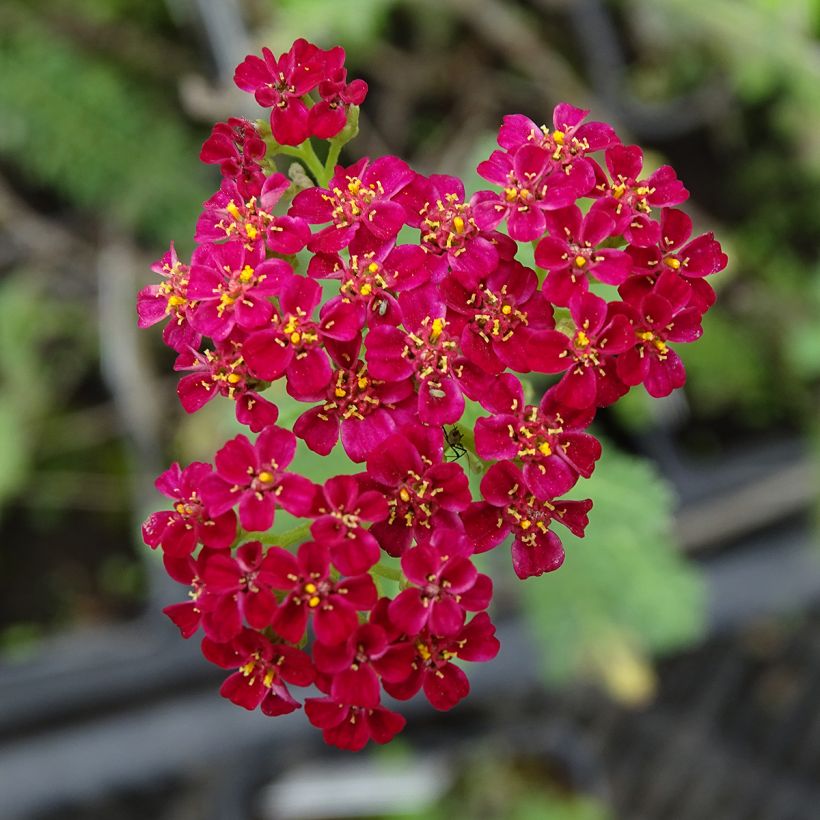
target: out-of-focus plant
74 122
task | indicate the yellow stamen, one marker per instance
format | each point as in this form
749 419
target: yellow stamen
295 338
251 231
510 194
233 210
311 588
362 382
366 289
373 267
234 378
404 495
265 477
558 136
506 310
581 339
340 392
438 326
672 261
247 274
525 524
458 224
545 449
176 301
314 601
580 261
354 185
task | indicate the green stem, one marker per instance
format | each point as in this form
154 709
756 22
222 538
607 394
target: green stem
288 538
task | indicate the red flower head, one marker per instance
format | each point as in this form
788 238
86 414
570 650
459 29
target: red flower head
568 144
501 319
170 300
280 83
444 683
446 586
253 476
629 200
358 203
292 345
571 254
230 214
223 371
531 186
263 671
341 507
662 315
329 115
351 727
511 507
334 604
426 353
179 531
549 439
233 286
362 409
237 148
423 492
587 356
450 236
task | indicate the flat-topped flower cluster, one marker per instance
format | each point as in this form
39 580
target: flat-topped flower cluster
385 342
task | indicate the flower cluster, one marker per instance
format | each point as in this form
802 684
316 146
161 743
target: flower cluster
391 347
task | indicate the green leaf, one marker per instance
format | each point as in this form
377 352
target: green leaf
624 590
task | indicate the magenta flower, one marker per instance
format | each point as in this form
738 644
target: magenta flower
329 115
499 320
341 508
549 440
531 186
351 727
361 410
253 476
334 604
223 371
701 257
449 234
423 492
629 200
511 507
446 586
587 356
570 254
662 316
350 665
229 214
263 671
292 346
280 83
427 353
178 531
239 590
237 148
372 278
570 141
233 287
444 683
358 203
170 300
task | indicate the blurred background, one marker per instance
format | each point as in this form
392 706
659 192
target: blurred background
670 670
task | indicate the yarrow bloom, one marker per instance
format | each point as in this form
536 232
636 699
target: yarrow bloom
374 330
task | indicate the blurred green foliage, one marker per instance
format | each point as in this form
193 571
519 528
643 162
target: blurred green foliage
84 126
624 591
